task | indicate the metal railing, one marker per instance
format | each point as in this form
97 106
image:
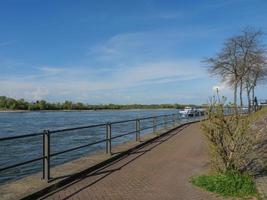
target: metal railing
157 122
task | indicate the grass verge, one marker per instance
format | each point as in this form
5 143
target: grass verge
229 184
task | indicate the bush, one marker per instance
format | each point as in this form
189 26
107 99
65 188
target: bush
228 184
231 141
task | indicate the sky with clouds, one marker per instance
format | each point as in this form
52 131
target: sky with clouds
121 51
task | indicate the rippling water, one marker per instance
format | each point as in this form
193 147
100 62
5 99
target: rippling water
14 151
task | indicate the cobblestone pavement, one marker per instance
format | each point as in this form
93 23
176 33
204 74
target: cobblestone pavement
260 127
160 170
262 186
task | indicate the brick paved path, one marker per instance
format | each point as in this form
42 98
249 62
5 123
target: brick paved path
160 170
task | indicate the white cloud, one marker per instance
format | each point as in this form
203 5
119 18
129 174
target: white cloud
57 82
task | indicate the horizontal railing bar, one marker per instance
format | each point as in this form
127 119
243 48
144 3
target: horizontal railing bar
145 118
161 124
22 163
157 116
131 120
117 136
142 129
76 148
155 125
20 136
124 121
77 128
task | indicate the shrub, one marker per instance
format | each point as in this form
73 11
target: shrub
231 141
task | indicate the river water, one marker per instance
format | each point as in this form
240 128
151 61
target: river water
15 151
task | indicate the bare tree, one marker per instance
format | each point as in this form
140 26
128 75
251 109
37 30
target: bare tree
226 65
241 63
253 63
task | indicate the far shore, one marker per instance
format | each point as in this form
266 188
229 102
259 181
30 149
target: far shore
22 111
11 111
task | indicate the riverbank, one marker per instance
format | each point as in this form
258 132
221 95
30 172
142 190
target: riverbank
7 103
133 109
13 111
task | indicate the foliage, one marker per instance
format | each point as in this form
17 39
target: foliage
13 104
231 142
228 184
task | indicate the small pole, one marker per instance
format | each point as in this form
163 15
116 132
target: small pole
43 155
46 154
165 121
173 118
178 118
137 134
154 124
108 138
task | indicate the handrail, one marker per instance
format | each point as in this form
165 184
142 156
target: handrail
118 136
22 163
20 136
46 138
77 128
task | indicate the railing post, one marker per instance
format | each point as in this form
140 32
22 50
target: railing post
46 155
154 124
137 134
165 121
173 119
108 138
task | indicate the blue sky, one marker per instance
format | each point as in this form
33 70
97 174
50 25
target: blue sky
119 51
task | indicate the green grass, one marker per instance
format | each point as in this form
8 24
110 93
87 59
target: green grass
230 184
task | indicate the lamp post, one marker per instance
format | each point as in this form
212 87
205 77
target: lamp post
216 88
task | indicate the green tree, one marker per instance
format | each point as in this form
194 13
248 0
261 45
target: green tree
42 105
67 105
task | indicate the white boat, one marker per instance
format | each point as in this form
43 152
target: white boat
187 112
191 112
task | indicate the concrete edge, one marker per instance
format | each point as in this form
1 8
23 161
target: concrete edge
75 176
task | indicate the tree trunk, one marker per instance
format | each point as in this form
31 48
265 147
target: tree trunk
253 98
249 100
235 98
241 94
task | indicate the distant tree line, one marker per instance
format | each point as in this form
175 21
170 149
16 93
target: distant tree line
20 104
242 64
